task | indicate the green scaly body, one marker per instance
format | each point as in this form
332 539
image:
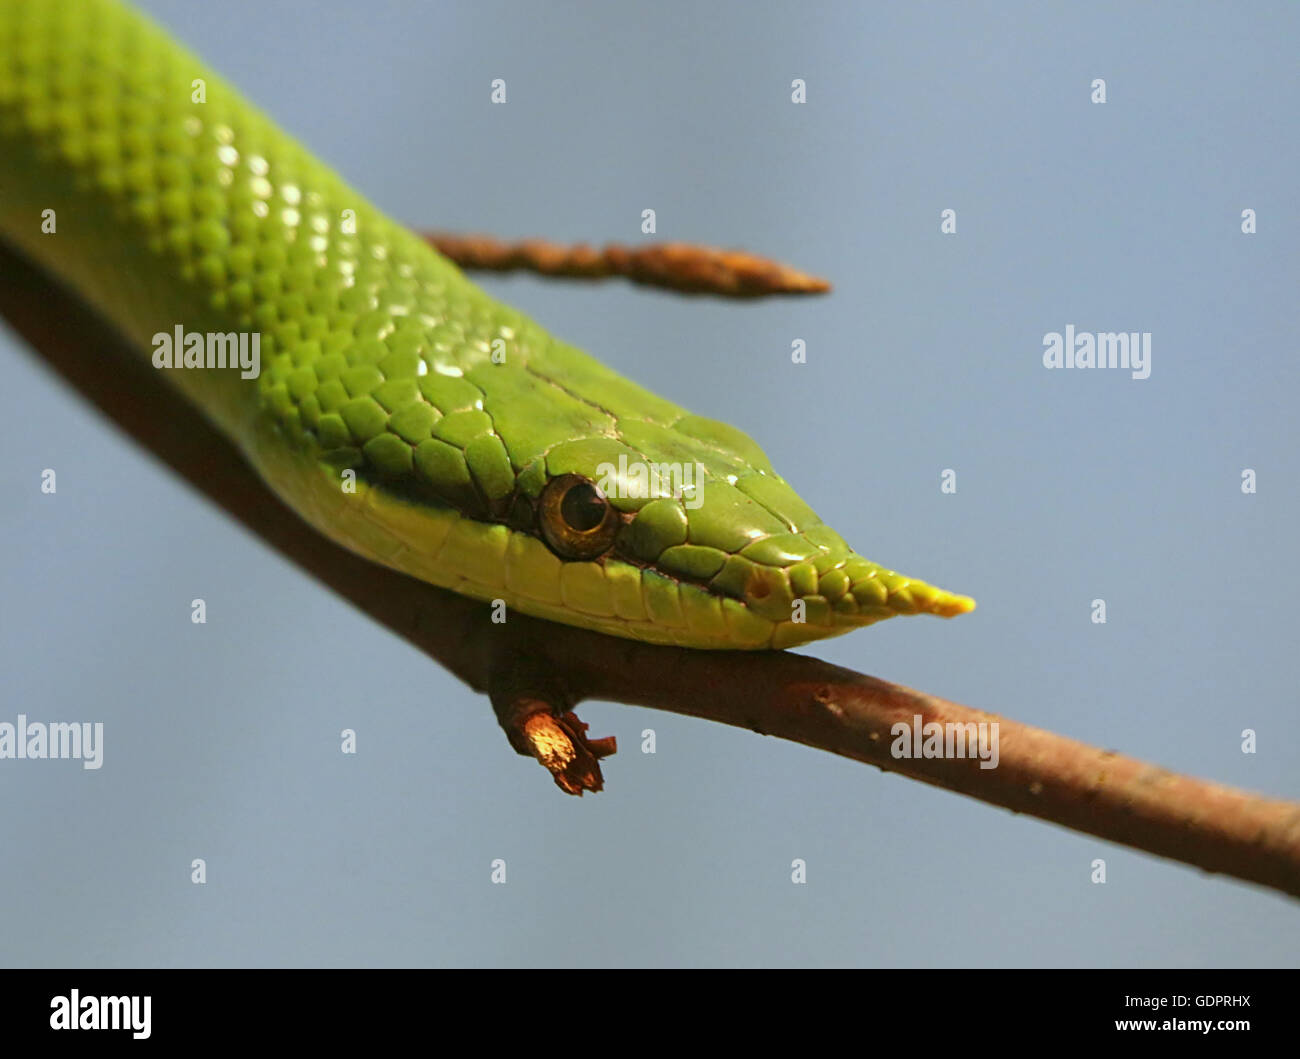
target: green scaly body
380 358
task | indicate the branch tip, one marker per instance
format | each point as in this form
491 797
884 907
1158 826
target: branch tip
560 745
683 267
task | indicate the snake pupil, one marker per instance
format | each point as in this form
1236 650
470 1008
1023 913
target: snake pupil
582 508
575 519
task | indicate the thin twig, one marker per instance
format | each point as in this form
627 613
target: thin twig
682 267
536 672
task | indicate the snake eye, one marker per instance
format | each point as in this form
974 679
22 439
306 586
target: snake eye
576 519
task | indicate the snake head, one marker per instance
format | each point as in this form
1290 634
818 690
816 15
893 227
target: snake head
692 537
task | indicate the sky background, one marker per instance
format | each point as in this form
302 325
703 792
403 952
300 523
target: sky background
222 740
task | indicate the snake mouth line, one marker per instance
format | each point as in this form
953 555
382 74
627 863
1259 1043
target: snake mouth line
862 595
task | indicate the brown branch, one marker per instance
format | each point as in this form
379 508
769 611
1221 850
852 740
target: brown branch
535 672
682 267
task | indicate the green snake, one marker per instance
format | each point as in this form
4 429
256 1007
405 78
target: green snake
395 406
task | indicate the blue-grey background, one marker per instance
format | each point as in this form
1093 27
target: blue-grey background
222 740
